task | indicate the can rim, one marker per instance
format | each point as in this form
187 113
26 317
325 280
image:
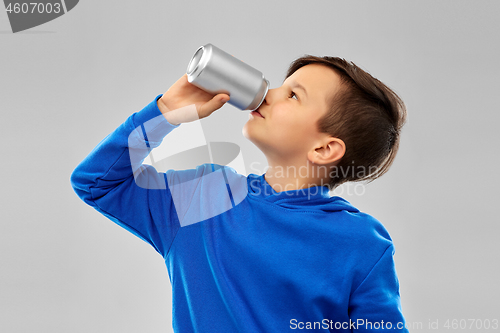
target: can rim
202 62
250 107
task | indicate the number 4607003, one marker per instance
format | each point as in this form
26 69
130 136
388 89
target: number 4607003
34 8
471 323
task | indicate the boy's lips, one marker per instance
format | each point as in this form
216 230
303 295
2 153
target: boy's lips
257 113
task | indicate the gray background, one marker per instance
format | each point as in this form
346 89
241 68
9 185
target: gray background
66 84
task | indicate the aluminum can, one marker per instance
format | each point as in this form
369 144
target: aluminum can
216 71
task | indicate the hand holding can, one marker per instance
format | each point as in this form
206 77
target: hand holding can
184 102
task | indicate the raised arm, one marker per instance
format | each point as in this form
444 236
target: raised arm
113 180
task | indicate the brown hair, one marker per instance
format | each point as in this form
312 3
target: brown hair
365 114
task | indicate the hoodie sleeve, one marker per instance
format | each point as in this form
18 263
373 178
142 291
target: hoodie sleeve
375 304
113 180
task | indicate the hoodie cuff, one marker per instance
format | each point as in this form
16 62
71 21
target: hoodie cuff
149 112
150 125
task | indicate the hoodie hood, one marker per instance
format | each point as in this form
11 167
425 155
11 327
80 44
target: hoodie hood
315 198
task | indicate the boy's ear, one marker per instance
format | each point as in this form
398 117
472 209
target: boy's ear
331 151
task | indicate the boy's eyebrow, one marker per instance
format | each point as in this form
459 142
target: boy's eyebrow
298 85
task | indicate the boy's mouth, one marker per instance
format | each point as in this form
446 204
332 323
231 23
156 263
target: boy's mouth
257 113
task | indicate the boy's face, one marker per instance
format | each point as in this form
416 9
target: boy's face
288 130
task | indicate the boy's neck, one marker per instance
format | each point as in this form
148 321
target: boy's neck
292 177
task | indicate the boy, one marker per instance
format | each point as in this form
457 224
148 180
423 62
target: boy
268 253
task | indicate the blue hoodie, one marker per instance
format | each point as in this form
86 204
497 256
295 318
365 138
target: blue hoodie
242 257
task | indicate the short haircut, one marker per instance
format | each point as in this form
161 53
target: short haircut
364 113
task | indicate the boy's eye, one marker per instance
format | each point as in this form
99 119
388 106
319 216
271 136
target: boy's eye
293 94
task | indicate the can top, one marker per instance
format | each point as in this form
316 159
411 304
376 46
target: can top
199 61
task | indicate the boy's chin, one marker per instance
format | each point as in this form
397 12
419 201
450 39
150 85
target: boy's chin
254 135
249 135
246 132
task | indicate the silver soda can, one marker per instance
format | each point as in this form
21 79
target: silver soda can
216 71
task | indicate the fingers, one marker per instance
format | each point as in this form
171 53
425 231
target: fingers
214 104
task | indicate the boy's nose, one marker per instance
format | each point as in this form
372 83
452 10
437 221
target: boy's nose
268 98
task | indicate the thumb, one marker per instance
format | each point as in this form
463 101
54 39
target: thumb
214 104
